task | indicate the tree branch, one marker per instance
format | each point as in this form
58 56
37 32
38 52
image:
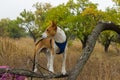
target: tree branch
86 52
28 73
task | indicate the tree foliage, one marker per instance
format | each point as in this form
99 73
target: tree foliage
11 28
27 21
14 30
3 26
106 38
40 14
117 2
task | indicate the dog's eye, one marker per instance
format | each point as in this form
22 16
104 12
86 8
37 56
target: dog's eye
47 30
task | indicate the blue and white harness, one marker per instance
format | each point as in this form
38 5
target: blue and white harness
61 46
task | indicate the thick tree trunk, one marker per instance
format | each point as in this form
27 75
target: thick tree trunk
90 46
107 44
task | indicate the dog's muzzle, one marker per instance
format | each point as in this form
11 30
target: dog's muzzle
44 35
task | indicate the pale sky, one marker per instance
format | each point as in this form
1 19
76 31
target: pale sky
12 8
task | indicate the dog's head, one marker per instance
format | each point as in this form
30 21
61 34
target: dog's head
51 30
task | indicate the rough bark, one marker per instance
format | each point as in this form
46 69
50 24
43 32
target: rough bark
84 41
90 46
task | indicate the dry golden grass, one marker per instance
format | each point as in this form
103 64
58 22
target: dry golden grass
101 66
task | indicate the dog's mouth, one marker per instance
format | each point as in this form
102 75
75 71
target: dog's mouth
44 35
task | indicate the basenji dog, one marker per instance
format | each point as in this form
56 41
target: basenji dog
59 44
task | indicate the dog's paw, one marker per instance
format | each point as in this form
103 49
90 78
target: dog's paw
51 70
64 72
35 70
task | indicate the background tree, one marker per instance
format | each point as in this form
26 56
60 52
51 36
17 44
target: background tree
40 15
11 28
14 30
3 26
27 21
117 2
107 37
85 15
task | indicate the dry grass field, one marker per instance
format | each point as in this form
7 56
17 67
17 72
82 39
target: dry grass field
101 66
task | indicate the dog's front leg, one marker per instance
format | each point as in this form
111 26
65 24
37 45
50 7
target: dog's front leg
51 63
52 54
64 63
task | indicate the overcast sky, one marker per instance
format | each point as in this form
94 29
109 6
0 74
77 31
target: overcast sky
12 8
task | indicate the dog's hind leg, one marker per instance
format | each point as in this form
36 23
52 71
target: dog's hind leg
36 55
35 62
47 53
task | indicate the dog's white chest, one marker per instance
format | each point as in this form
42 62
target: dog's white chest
60 36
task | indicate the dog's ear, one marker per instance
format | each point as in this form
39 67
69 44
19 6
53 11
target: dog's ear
53 24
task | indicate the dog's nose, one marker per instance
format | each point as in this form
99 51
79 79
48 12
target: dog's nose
44 35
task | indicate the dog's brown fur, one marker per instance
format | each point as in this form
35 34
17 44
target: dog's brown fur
41 45
44 43
51 29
